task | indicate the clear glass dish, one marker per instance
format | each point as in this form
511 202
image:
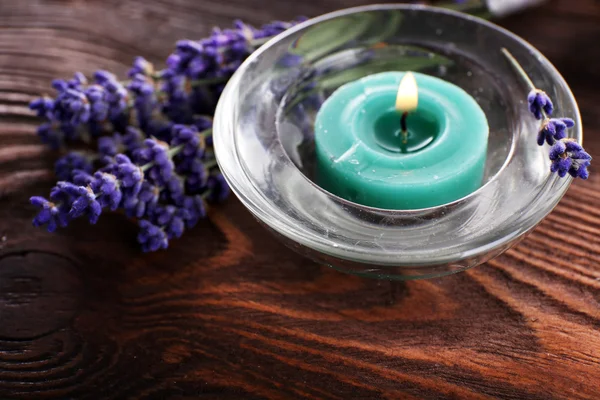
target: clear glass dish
263 136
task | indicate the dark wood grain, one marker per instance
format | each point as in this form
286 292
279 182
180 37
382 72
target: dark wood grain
227 312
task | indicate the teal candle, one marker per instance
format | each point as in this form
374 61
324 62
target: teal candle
362 157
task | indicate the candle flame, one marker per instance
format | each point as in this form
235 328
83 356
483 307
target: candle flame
408 94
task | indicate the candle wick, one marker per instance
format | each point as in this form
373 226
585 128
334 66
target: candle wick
403 129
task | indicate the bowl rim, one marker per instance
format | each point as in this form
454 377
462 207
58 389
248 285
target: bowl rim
300 236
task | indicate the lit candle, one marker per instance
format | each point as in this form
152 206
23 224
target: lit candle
407 100
364 156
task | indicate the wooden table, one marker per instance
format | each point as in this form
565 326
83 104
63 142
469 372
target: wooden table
229 313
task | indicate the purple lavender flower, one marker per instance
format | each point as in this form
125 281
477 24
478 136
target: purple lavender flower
553 129
109 145
267 30
192 80
130 174
145 101
78 80
202 122
171 219
60 85
560 164
222 50
131 178
221 38
195 210
72 107
229 46
112 145
202 99
175 106
76 83
539 103
165 186
185 52
107 190
107 164
141 66
139 205
277 27
151 237
101 77
159 129
77 106
212 56
68 201
156 154
66 165
116 94
141 85
54 215
132 139
218 188
60 195
195 173
174 87
82 178
50 135
99 106
568 156
247 30
173 62
188 138
201 64
174 191
84 201
43 107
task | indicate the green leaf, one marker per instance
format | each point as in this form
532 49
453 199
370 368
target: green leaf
325 37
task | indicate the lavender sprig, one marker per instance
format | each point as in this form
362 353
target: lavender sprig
567 156
150 100
127 187
153 137
73 161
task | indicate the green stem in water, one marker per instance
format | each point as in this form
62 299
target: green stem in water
300 99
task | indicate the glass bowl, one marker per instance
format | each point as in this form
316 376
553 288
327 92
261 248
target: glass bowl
263 137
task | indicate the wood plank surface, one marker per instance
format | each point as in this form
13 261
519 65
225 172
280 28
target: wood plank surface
229 313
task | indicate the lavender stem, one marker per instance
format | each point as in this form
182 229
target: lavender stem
519 68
